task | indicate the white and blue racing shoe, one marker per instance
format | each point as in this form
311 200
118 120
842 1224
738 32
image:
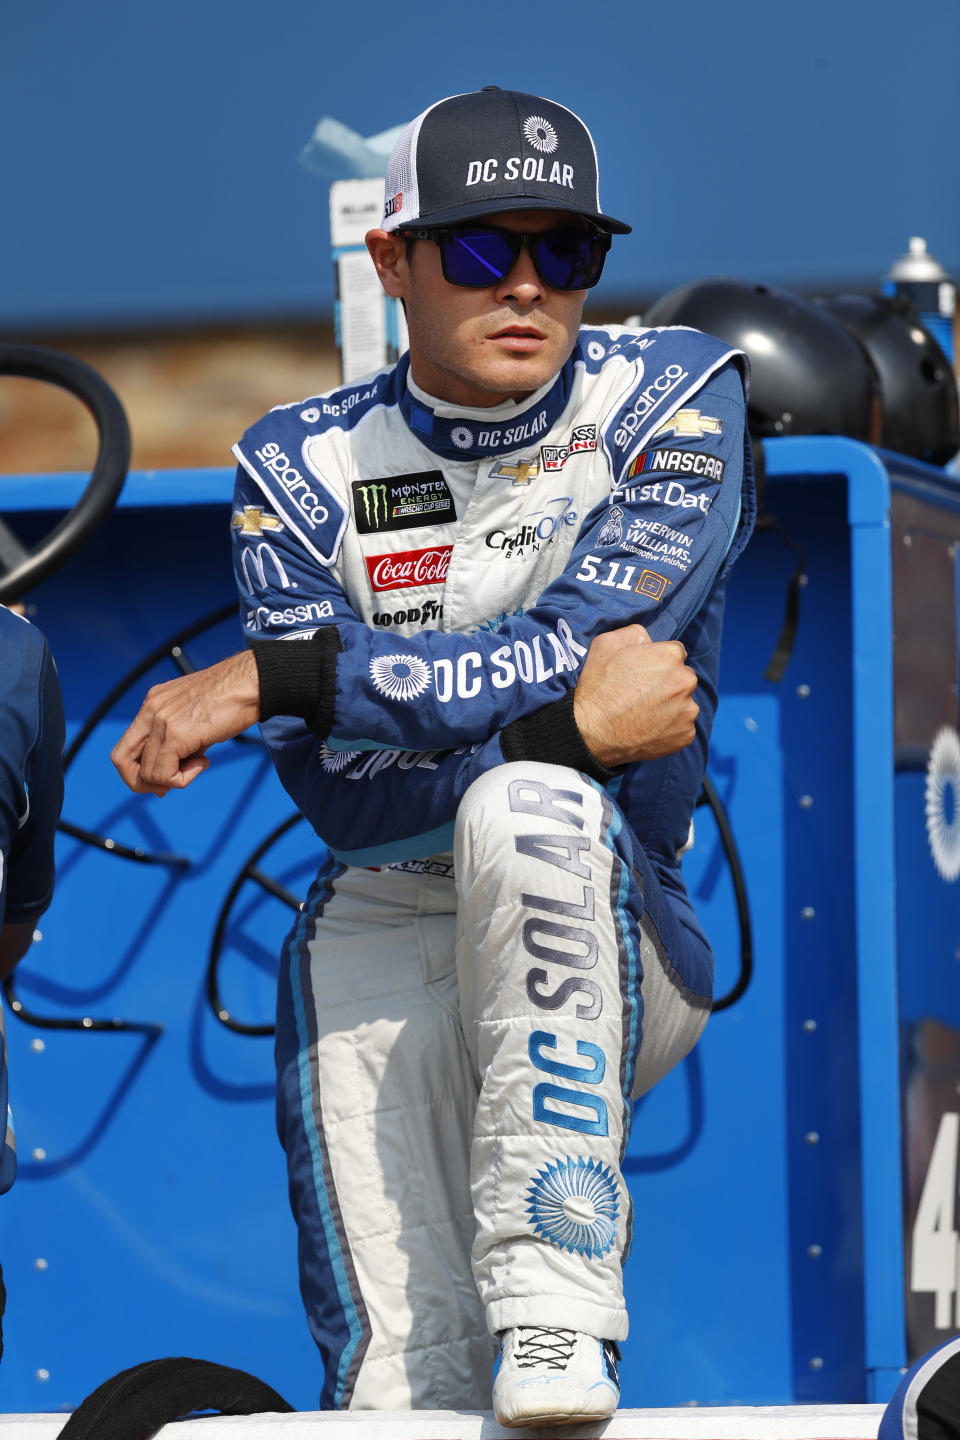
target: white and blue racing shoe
555 1377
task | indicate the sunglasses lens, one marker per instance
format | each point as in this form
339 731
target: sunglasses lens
477 257
570 259
565 259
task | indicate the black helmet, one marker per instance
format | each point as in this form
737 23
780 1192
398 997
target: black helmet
921 411
811 376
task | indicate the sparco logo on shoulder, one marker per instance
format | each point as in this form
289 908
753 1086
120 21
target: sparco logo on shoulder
406 568
648 400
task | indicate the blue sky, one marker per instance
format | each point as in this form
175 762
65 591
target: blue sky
150 164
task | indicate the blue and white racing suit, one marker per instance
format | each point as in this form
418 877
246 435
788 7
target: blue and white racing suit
499 952
31 792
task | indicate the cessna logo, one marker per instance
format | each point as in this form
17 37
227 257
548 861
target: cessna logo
690 424
254 563
252 521
402 502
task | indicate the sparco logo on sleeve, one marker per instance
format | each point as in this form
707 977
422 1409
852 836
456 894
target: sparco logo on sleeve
406 568
650 398
304 502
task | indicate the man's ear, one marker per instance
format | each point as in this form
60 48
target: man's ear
386 251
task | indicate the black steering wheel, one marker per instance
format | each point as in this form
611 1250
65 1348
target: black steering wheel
21 569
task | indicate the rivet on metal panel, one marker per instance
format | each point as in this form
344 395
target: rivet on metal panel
87 1023
803 580
814 1251
807 913
750 724
816 1362
40 1263
806 802
812 1137
37 936
37 1046
39 1153
43 1374
809 1026
908 541
803 692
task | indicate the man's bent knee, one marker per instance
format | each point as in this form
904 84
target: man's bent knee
486 816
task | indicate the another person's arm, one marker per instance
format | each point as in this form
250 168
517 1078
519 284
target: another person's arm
32 762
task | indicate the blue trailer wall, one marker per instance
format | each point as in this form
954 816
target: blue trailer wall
150 1215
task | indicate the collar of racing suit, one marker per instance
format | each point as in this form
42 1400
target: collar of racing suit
461 433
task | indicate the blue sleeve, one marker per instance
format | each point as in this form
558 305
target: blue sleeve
31 768
374 806
648 554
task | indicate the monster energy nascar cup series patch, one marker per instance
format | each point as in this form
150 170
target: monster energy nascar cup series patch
401 502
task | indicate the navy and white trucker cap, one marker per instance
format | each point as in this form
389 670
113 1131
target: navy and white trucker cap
492 150
926 1403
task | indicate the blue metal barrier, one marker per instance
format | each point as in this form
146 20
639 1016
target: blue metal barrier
771 1187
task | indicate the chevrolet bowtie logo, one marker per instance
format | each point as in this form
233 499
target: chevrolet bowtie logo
521 473
687 424
252 521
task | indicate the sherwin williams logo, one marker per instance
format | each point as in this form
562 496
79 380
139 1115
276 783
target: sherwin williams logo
409 567
612 532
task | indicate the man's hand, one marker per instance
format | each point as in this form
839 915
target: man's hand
634 698
165 747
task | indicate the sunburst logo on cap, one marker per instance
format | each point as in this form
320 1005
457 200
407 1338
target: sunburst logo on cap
540 134
400 677
574 1205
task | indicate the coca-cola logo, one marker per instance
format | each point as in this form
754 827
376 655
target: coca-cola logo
409 567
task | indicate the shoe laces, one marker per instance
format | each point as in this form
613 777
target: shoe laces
537 1346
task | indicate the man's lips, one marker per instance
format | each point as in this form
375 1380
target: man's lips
518 337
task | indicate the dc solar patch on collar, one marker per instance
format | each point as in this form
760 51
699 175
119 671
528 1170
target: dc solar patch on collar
402 502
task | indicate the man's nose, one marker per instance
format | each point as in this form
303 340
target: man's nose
521 283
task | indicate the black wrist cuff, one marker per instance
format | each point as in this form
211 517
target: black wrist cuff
298 677
551 734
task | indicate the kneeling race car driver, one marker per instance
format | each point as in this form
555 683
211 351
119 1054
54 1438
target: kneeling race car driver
503 562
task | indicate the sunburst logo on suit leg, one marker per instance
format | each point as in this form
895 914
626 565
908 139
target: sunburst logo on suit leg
573 1204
